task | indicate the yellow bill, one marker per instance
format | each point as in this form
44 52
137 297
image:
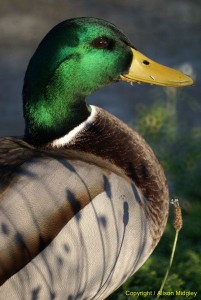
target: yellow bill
143 69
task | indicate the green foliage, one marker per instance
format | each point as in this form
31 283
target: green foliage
179 151
180 155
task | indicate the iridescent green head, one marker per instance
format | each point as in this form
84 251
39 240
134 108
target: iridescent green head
77 57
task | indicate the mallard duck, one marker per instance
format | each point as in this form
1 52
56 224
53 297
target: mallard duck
83 199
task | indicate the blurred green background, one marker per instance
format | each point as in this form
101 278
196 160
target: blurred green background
169 119
180 154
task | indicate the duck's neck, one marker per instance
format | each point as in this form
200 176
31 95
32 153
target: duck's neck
52 110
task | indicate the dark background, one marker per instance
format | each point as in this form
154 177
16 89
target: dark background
167 31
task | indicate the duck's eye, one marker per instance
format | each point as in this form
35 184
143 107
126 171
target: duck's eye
101 43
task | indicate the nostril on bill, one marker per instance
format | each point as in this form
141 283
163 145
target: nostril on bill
146 62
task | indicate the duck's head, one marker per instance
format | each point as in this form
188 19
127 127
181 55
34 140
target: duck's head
77 57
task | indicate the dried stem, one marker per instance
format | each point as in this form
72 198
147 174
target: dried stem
178 223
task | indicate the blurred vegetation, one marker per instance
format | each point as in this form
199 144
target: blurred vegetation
180 154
